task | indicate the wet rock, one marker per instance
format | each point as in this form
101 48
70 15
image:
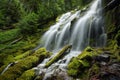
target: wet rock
109 77
103 63
107 52
58 74
115 68
103 58
111 72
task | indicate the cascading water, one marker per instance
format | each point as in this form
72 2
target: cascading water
76 30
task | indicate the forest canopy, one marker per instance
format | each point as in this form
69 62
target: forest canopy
21 13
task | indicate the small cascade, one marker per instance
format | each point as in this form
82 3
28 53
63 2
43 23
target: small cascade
59 34
74 29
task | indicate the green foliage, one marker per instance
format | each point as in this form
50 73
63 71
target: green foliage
8 35
29 14
9 13
31 5
17 50
28 24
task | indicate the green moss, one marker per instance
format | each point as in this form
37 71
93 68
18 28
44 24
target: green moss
74 64
58 55
9 59
84 63
27 63
94 70
27 75
116 55
117 37
21 56
88 53
73 67
2 68
73 72
29 47
79 64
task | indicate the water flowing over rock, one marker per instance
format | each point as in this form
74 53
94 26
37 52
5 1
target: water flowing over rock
73 29
86 30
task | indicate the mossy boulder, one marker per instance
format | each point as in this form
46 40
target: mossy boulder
60 54
79 64
27 63
27 75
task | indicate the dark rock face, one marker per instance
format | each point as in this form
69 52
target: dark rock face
103 58
115 68
112 4
106 66
112 72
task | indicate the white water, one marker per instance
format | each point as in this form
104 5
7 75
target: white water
79 31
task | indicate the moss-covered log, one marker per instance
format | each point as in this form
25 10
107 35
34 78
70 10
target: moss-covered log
60 54
16 70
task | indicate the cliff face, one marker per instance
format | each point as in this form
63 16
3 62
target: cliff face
112 22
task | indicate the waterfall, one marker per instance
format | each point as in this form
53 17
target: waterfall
77 29
59 34
87 30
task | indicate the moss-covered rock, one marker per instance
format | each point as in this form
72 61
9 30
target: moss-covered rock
27 75
79 64
16 70
60 54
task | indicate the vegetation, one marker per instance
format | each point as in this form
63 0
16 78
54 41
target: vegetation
27 75
59 55
22 23
78 64
25 64
28 24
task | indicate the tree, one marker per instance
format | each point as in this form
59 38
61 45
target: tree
9 13
28 24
